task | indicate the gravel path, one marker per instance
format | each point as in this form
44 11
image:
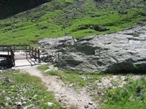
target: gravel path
63 93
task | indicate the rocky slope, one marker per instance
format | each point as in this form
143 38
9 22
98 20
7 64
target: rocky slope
118 52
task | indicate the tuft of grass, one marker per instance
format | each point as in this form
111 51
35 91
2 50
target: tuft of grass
43 67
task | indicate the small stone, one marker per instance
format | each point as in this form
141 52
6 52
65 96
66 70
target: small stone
23 102
26 107
7 98
19 104
6 80
3 92
23 99
60 100
35 96
71 85
86 106
105 101
50 103
6 104
84 78
62 107
10 103
90 103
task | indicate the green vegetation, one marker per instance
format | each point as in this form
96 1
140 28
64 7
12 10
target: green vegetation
27 90
69 17
131 96
107 90
75 79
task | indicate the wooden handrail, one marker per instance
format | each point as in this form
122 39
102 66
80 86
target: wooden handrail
10 49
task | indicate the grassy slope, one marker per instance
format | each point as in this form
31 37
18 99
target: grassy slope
66 17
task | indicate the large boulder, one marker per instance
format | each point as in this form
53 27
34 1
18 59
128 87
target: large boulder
118 52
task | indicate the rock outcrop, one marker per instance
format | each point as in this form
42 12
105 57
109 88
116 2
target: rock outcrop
57 44
118 52
53 47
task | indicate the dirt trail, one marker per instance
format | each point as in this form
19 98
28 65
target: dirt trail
62 92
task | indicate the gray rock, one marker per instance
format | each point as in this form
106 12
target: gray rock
57 43
44 27
117 52
24 102
100 28
51 68
49 104
19 104
54 46
7 98
29 106
6 80
86 106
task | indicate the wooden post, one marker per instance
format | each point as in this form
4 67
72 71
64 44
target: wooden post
14 47
8 49
12 57
26 52
32 53
39 59
29 51
35 51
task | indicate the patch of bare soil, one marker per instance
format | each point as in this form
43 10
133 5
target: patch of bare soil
63 93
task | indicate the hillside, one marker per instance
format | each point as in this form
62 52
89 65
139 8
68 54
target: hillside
105 70
78 18
11 7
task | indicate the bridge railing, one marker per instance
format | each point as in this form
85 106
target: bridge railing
29 51
35 53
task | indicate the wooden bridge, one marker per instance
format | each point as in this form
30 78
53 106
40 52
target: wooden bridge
10 53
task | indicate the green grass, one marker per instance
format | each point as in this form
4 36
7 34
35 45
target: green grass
65 17
18 86
131 96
